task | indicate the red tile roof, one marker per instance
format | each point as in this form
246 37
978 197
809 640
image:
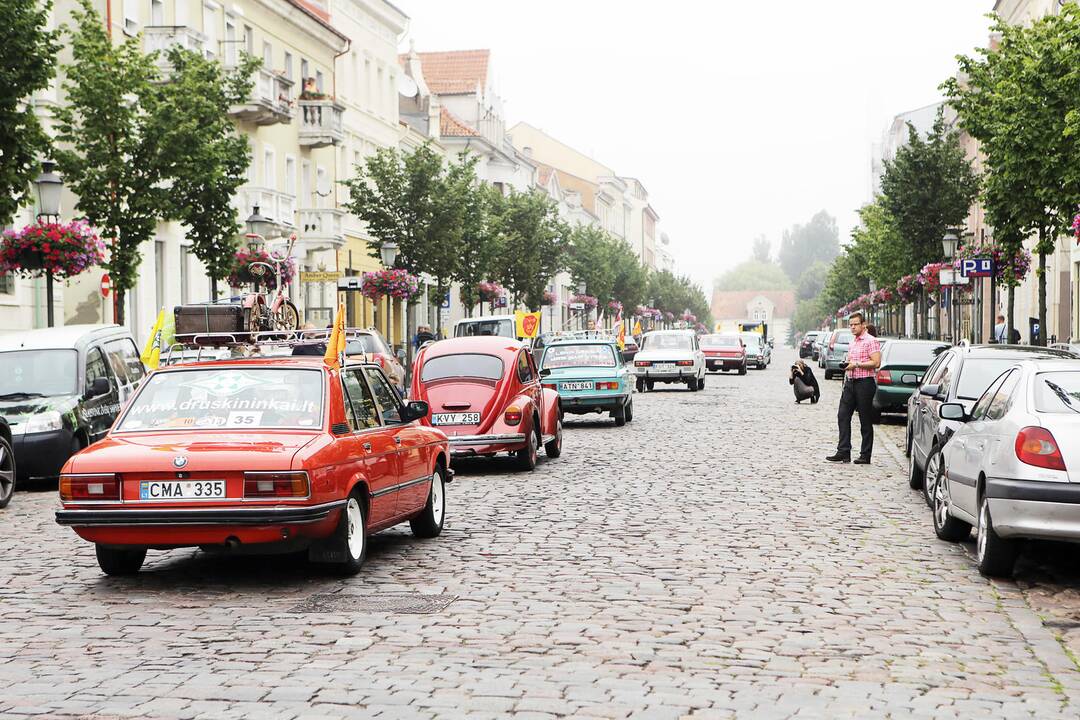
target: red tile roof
731 304
457 72
451 125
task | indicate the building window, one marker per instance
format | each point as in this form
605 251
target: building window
319 80
210 30
288 65
378 91
131 17
230 41
157 13
268 55
269 176
290 175
7 284
367 84
249 40
305 70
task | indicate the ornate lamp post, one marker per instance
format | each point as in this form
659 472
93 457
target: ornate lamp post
49 186
948 248
388 253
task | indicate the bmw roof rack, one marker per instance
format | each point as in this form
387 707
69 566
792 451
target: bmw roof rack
240 344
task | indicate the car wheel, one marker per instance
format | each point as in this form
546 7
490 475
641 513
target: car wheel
120 561
946 527
701 384
932 474
907 442
350 537
553 449
619 415
996 555
691 384
640 384
915 475
526 456
630 411
650 384
7 472
828 375
429 522
742 369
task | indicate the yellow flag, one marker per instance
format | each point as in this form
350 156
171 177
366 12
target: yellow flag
151 354
528 324
621 337
336 344
637 327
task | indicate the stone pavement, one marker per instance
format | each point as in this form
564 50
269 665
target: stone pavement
703 561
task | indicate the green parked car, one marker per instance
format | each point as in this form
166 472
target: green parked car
903 363
589 376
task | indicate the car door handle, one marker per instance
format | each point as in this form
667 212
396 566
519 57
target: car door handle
367 446
397 439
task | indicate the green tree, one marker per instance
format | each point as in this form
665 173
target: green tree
109 157
533 245
753 275
1021 101
888 257
762 250
927 189
675 294
202 153
808 314
812 281
631 279
589 261
803 245
481 244
27 63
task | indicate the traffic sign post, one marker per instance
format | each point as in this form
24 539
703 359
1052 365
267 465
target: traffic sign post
977 267
106 285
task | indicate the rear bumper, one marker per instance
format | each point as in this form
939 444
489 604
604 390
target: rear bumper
892 398
585 404
468 445
1033 509
141 517
678 376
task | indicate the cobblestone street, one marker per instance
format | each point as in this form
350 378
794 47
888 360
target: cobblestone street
703 561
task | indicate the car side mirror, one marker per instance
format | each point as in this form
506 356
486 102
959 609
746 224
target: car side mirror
953 411
910 379
414 411
99 387
544 372
930 391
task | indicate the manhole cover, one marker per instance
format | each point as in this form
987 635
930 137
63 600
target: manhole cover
382 603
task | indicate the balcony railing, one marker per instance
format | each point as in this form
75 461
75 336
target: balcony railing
159 38
320 123
270 102
273 204
321 227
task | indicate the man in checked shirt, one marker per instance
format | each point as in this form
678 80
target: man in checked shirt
864 358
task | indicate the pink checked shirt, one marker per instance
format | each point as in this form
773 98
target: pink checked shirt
859 351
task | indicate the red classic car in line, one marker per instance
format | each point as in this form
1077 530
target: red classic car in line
276 454
485 393
724 352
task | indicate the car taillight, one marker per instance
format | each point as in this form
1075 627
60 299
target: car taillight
276 484
105 486
607 386
512 416
884 377
684 363
642 363
1036 446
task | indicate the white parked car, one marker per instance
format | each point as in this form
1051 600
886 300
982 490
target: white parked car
1012 468
670 356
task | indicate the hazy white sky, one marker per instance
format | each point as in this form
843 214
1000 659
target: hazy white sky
739 118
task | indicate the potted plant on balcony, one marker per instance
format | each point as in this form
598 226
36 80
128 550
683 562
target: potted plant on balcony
310 91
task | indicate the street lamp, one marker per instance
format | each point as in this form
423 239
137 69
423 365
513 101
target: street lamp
388 253
948 244
948 247
259 225
48 185
582 288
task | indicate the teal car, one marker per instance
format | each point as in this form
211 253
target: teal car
590 378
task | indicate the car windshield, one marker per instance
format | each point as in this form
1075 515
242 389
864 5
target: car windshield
567 356
902 353
843 338
503 328
1057 392
751 339
719 341
233 397
977 374
665 342
472 365
38 373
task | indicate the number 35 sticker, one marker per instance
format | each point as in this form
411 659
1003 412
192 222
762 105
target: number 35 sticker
243 419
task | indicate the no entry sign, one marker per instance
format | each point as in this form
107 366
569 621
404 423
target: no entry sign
106 285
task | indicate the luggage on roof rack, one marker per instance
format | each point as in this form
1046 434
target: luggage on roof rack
210 323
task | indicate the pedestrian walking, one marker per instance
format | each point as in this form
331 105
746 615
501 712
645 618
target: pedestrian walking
423 335
864 357
999 330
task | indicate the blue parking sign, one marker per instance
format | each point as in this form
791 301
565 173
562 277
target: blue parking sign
977 267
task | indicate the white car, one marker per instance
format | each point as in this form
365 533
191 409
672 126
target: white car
670 356
1012 468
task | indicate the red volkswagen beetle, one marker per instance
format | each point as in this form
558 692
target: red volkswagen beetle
485 393
268 455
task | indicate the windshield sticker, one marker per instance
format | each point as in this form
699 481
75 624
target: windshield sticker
243 419
224 383
306 422
93 412
206 421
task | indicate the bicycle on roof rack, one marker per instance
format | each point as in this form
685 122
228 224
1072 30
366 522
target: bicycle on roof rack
280 314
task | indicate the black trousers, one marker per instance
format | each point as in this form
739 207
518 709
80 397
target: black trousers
857 395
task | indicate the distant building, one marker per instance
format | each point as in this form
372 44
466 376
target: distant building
775 307
896 137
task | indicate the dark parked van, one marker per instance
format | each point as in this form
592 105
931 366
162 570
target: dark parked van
60 390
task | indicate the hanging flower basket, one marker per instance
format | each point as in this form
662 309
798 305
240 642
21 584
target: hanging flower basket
587 300
668 316
615 307
930 277
906 288
1021 262
246 272
548 298
689 317
64 249
396 283
489 291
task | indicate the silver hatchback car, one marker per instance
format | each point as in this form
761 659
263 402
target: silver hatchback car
1012 468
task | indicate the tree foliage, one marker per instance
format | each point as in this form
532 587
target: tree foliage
812 281
675 294
753 275
803 245
762 249
533 243
27 64
481 243
588 261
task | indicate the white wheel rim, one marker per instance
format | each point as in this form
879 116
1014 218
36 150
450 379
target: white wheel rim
941 507
437 507
984 516
356 528
932 471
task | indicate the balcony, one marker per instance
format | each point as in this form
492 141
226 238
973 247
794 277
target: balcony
270 101
159 38
321 228
320 123
273 204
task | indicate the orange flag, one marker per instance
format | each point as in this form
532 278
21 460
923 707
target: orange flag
335 345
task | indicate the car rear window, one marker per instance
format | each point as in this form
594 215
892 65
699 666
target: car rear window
502 328
566 356
363 344
719 341
1057 392
474 365
902 353
977 374
244 398
844 338
665 342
